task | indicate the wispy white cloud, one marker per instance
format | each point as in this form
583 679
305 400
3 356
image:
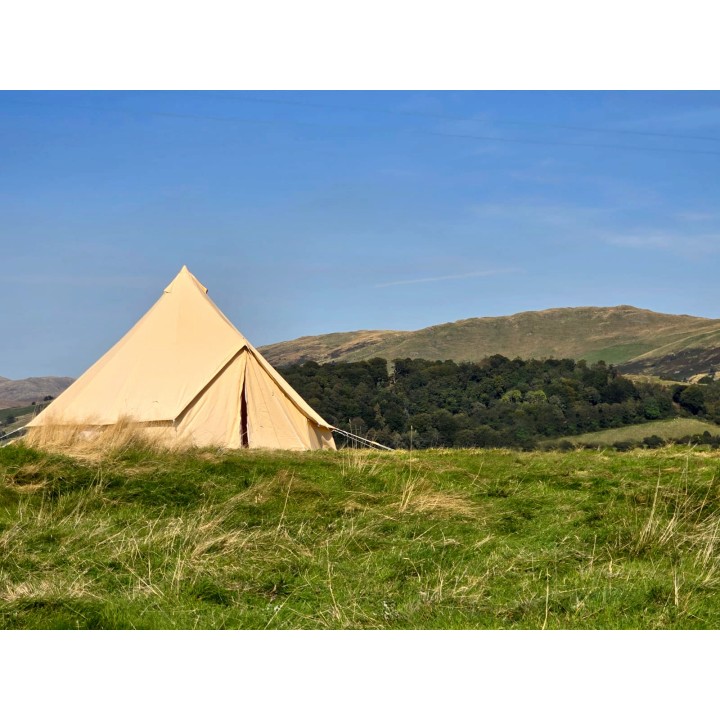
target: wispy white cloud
682 242
536 214
89 280
443 278
642 240
696 216
680 233
707 118
404 173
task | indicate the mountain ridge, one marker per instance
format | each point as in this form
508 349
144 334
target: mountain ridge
17 393
618 334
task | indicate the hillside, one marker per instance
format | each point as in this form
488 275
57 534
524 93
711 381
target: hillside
683 364
15 393
668 430
653 343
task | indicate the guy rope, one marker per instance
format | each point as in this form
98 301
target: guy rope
362 440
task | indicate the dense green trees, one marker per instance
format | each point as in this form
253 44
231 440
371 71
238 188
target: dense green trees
496 402
692 398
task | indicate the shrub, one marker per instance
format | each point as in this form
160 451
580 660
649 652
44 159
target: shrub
654 441
624 445
692 399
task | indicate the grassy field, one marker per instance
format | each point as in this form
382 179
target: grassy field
672 429
17 412
20 422
356 539
653 379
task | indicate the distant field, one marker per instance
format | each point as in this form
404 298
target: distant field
431 539
15 412
22 417
667 429
652 379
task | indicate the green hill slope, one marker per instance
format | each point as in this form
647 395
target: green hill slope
619 335
673 429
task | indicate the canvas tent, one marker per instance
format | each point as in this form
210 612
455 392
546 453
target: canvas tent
186 375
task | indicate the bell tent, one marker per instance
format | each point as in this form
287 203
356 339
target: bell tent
186 375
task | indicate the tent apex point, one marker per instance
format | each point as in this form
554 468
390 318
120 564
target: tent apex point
183 277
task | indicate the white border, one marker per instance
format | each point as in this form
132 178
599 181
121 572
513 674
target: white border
373 44
404 674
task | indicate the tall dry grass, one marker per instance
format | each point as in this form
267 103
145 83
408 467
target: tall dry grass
88 441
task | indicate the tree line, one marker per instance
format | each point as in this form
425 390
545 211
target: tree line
497 402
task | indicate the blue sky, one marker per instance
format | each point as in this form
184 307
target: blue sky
318 212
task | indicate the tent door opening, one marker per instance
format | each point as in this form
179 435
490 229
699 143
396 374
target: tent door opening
244 439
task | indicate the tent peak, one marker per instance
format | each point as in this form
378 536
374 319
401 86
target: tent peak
184 277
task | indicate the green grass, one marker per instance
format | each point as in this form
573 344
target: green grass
654 379
617 353
20 422
432 539
673 429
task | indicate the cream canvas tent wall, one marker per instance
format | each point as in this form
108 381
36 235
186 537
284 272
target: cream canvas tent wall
185 374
